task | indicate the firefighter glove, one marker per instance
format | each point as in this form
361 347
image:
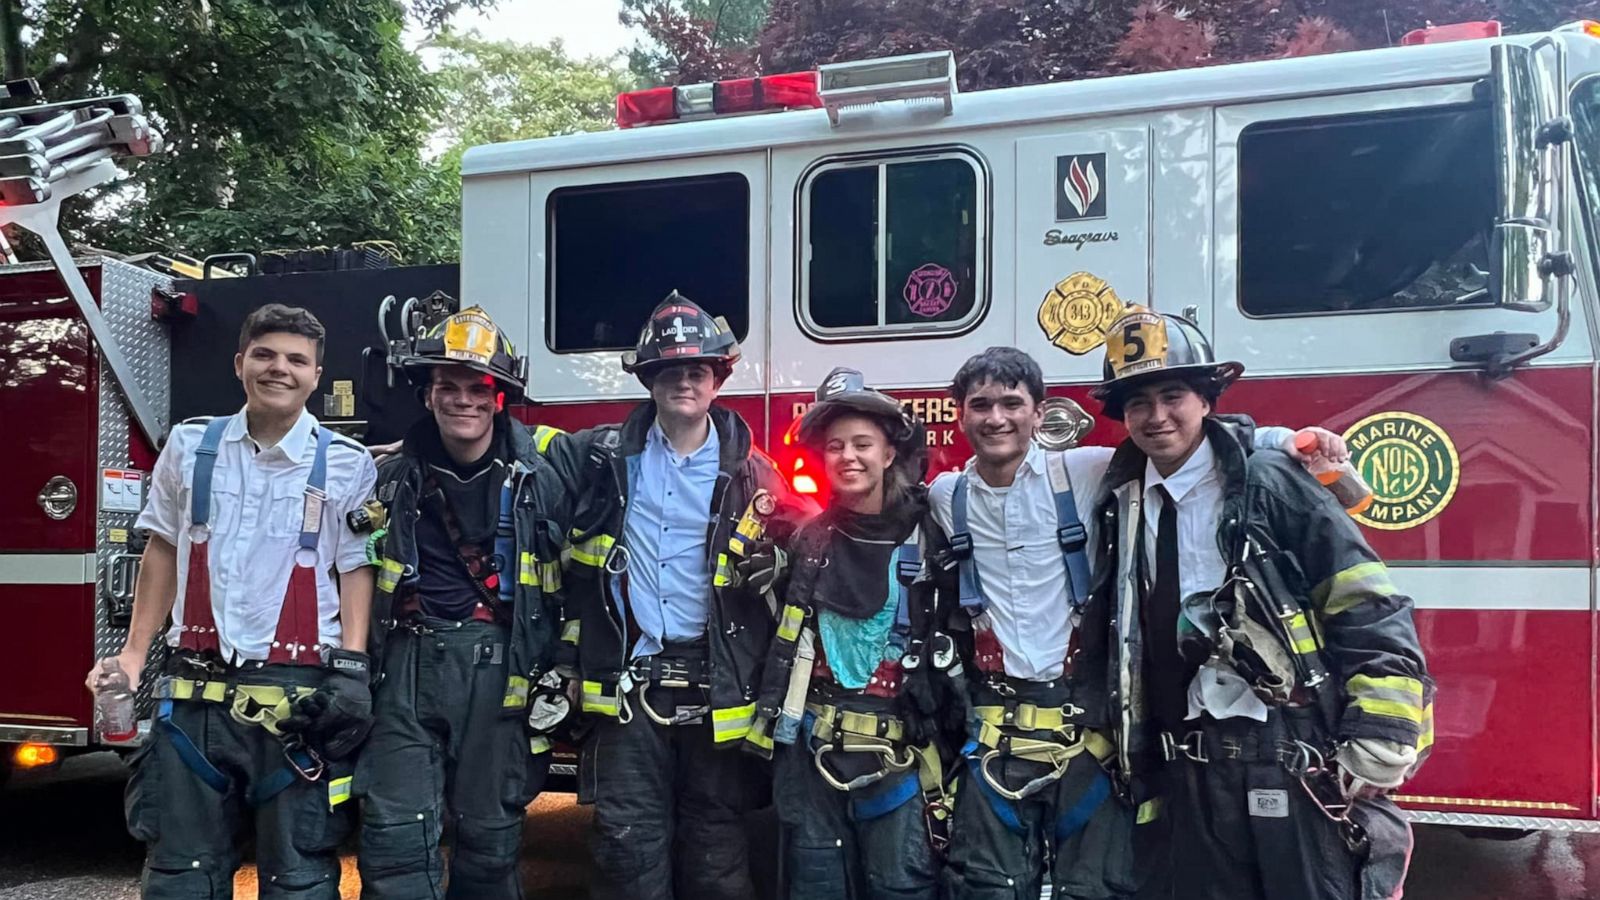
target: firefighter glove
338 716
763 567
1373 765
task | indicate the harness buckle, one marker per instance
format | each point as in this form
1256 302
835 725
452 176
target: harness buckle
1192 747
1072 537
617 560
961 545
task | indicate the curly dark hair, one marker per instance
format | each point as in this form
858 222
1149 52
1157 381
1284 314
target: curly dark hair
1206 384
1002 365
275 318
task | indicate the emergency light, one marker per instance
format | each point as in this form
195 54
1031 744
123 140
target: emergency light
738 96
1587 27
1457 31
918 76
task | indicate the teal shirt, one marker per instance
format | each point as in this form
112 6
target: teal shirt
855 647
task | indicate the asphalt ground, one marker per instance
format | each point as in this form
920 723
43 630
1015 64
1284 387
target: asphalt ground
62 838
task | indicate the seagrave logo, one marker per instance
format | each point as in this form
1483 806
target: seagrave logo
1079 187
1411 465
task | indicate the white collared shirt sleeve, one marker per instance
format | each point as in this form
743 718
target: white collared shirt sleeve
163 512
350 552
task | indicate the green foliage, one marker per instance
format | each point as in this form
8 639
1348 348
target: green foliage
693 40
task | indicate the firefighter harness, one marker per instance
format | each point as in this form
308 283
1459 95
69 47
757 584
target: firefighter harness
295 642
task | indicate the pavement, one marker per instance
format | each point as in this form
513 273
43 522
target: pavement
62 838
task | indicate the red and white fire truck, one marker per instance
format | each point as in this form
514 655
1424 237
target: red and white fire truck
1399 244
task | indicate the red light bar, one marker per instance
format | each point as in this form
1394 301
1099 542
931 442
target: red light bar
1444 34
796 90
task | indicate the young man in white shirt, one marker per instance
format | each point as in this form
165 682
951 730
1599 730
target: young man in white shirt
266 693
1266 679
1013 561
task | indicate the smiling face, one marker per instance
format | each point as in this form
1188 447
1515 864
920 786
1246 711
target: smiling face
856 454
999 421
684 392
1166 419
463 402
279 371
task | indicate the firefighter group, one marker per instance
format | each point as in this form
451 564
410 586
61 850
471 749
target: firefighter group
1169 669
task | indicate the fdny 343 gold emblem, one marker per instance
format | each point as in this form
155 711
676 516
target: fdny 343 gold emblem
1077 312
1411 465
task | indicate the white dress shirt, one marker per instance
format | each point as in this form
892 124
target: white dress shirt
1197 490
1018 557
257 502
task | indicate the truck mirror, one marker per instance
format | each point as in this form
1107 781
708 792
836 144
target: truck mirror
1530 130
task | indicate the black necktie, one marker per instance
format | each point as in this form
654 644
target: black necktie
1165 669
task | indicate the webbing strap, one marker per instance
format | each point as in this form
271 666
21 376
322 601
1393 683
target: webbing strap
278 780
1070 533
205 463
1073 820
900 792
831 722
316 492
188 752
1000 806
971 591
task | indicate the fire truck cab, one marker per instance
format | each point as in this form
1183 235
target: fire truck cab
1400 245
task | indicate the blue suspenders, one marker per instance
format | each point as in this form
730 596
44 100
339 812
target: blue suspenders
1070 535
205 463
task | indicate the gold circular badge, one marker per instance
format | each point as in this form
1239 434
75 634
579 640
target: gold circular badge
1411 465
1077 311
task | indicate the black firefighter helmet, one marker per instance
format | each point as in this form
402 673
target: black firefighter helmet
1143 345
845 391
467 338
679 331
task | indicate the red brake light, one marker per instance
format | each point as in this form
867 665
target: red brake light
795 89
805 484
645 107
1444 34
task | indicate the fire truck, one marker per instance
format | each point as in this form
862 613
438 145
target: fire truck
1399 244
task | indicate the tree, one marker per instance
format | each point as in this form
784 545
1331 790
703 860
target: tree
692 41
288 122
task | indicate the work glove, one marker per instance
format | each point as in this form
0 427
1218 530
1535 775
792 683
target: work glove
761 570
551 704
1371 766
338 716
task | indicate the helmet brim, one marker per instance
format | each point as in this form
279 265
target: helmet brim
1225 374
418 367
878 407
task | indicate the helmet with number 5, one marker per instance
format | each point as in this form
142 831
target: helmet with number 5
1143 346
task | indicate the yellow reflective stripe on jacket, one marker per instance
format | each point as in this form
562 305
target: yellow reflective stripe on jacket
789 624
1425 739
389 572
1300 633
1149 811
338 791
516 693
539 744
593 551
760 738
596 700
570 630
543 435
1350 588
1394 696
731 724
546 575
724 576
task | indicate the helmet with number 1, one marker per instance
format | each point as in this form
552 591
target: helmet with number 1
679 331
1144 346
467 338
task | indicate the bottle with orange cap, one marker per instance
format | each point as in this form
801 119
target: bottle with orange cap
1341 478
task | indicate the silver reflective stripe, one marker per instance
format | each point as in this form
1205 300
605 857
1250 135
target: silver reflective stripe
47 568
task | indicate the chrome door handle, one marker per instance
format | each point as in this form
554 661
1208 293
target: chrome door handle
59 497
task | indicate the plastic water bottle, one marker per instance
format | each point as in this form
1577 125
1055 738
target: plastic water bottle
1342 479
113 702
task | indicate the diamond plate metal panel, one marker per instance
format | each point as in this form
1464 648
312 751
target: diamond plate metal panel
1518 823
125 302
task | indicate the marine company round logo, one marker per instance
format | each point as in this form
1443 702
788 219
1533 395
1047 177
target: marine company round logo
1410 464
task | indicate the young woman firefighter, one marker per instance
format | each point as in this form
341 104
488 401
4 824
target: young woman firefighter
464 625
266 693
1009 552
847 695
664 636
1266 683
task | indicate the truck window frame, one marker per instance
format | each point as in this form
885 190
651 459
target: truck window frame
884 330
1239 298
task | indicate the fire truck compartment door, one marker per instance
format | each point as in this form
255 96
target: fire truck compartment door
1353 234
1082 244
